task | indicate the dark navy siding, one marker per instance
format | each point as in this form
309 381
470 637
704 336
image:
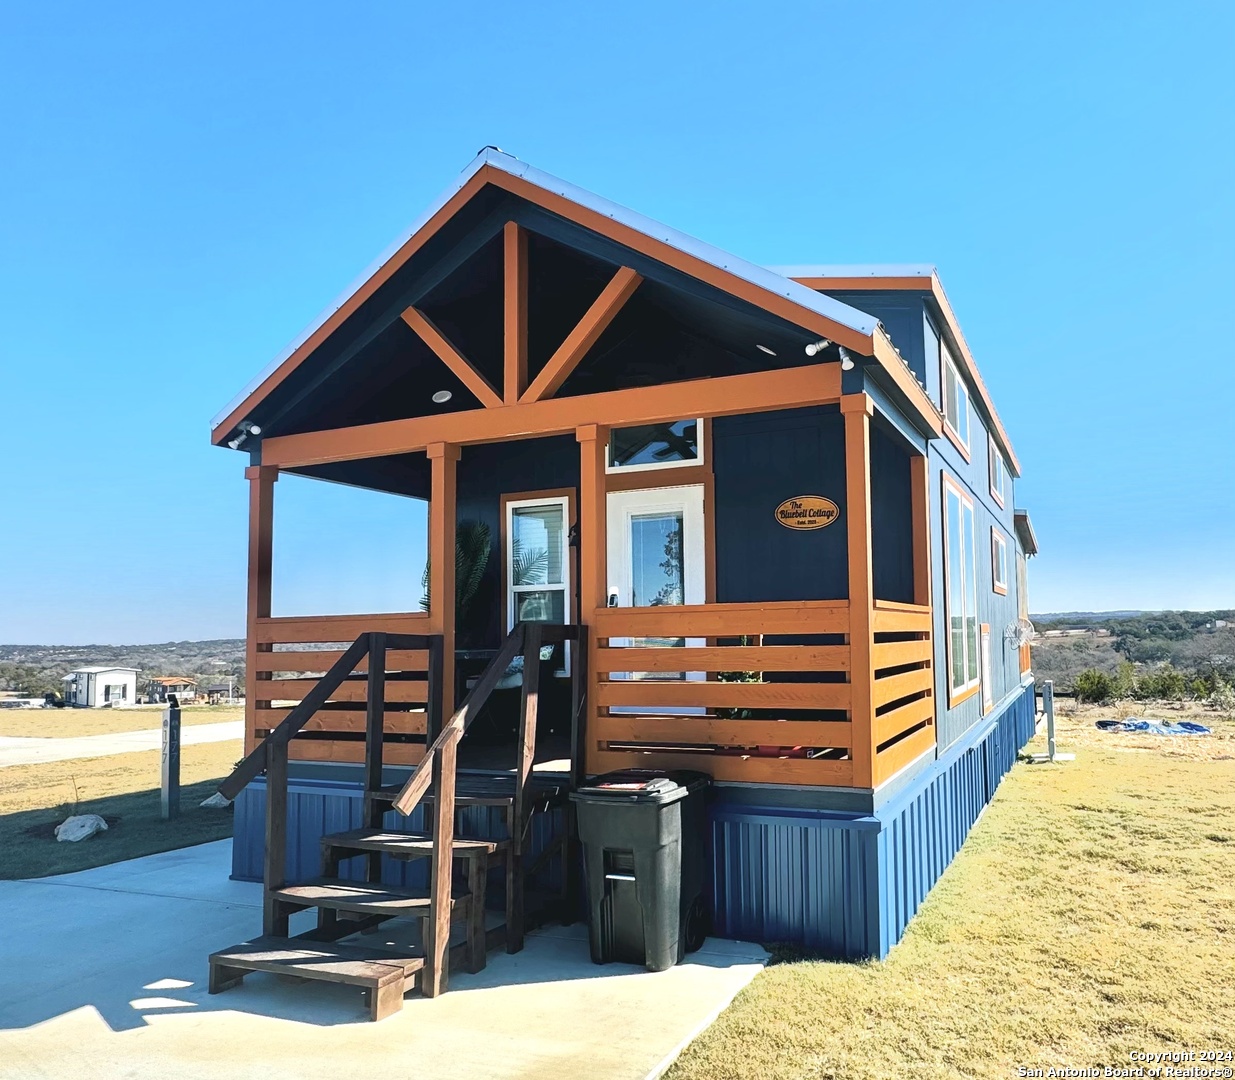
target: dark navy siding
759 462
891 518
487 472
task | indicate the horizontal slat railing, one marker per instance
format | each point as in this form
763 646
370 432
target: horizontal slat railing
293 652
757 696
902 658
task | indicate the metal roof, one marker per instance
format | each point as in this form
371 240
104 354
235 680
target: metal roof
759 276
856 270
96 671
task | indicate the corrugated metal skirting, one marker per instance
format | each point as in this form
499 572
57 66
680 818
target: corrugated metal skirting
847 885
318 807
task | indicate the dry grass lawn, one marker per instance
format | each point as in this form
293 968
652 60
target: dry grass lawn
124 789
69 723
1090 914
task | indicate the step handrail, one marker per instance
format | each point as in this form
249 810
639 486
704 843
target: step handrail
452 731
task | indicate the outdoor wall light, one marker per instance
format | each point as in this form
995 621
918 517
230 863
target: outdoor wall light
816 347
846 361
441 397
765 349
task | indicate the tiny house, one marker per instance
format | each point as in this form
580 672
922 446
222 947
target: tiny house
97 687
779 503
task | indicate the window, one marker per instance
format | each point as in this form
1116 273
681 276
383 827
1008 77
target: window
999 562
955 401
655 446
999 475
961 593
537 560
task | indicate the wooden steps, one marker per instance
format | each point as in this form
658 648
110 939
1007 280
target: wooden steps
400 845
384 974
490 789
359 897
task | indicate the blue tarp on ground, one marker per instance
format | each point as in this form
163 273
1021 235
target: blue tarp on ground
1153 727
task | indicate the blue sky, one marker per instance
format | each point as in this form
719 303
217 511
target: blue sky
182 188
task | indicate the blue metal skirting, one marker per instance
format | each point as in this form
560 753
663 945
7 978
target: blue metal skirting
318 807
847 885
841 883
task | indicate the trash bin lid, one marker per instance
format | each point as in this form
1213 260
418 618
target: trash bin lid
644 785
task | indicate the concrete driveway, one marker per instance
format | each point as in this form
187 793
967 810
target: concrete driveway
104 974
32 751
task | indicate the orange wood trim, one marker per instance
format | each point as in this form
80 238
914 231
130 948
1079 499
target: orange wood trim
353 752
919 480
733 658
906 381
998 538
572 553
725 620
683 476
652 695
725 767
886 654
891 724
857 410
956 698
1025 659
451 357
514 242
351 304
761 391
299 629
892 687
955 440
992 452
899 622
586 333
897 605
261 539
442 520
932 285
903 753
396 723
593 548
708 730
397 691
323 660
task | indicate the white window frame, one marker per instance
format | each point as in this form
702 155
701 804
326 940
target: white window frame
957 692
946 363
999 474
508 555
657 466
999 553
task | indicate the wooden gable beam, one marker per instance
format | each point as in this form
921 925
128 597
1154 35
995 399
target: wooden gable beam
452 358
585 334
514 240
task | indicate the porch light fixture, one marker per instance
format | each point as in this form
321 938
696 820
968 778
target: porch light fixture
816 347
247 428
846 361
765 349
441 397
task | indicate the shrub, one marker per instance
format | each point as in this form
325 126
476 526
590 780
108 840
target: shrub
1223 699
1162 684
1093 685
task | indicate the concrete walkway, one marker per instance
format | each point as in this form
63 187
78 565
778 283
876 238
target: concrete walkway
33 751
104 972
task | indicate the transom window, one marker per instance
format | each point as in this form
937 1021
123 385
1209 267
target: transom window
999 562
999 475
955 399
961 595
655 446
537 560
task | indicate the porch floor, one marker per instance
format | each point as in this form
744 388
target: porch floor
101 968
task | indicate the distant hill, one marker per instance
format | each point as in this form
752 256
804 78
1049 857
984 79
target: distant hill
1086 616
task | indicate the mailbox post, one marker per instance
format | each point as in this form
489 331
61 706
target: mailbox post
170 779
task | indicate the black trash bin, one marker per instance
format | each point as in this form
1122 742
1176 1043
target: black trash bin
644 836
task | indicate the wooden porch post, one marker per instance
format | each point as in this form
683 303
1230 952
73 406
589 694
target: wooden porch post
442 459
261 534
857 410
919 470
593 441
514 244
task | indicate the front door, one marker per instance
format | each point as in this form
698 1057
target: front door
656 558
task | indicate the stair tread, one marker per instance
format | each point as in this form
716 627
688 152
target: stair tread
487 789
359 896
412 843
352 963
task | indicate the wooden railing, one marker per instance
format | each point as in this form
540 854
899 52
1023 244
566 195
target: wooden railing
764 698
903 700
291 655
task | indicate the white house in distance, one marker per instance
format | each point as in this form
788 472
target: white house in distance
95 687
